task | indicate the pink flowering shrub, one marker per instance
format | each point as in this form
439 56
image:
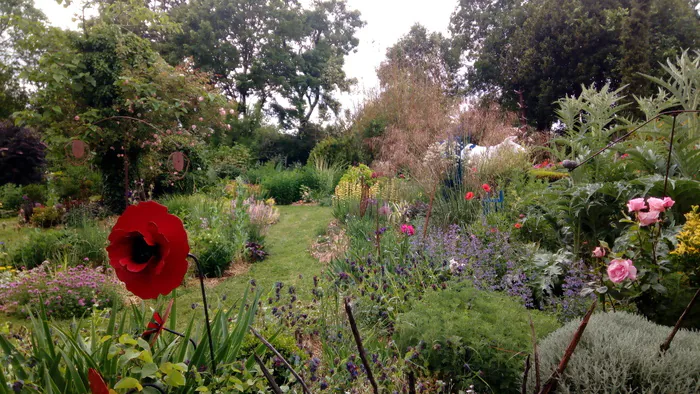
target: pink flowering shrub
64 294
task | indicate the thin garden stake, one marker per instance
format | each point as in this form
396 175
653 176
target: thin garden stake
284 361
360 348
535 353
551 383
273 385
670 152
411 383
206 311
523 387
667 344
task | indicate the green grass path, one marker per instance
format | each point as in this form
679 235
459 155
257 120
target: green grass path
287 243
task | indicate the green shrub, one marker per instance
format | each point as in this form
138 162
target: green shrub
217 229
230 161
285 186
11 197
36 193
619 353
47 216
76 183
41 245
471 336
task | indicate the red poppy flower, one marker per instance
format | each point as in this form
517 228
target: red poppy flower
157 324
469 196
486 187
518 225
97 384
148 250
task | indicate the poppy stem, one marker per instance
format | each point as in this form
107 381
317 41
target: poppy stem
181 336
206 310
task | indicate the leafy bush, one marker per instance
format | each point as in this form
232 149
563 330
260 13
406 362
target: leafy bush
36 193
23 155
39 247
64 294
285 186
75 183
471 337
217 229
47 216
230 161
11 197
619 352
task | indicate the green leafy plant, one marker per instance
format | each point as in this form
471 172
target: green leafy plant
110 342
47 216
471 336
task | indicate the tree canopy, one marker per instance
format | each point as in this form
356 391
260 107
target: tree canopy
278 55
549 48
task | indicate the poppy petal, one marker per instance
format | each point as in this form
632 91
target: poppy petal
97 384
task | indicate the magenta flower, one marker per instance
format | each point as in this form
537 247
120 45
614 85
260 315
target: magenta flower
408 229
619 270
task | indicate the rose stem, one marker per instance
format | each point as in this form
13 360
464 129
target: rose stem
181 336
284 361
360 348
206 310
667 344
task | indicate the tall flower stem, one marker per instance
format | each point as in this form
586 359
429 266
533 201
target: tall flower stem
206 311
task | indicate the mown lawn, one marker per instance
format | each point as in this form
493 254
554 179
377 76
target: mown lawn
289 261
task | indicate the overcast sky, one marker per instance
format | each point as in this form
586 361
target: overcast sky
386 21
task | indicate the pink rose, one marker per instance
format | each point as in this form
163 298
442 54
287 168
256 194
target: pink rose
647 218
619 270
636 204
668 202
656 204
598 252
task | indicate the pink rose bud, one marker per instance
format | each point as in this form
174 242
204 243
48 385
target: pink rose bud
599 252
668 202
76 117
619 270
656 204
647 218
636 204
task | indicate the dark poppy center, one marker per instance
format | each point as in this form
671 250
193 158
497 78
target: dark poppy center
142 252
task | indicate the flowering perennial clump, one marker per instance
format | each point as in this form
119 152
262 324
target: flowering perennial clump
63 294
